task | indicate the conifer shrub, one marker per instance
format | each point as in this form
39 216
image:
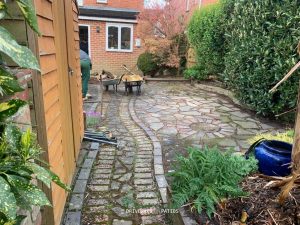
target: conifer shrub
207 176
205 35
262 38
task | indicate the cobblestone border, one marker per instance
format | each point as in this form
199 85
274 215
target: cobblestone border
220 91
157 153
158 165
74 209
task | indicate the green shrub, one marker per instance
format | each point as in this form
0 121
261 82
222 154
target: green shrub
147 63
19 154
262 37
286 136
207 176
206 37
195 72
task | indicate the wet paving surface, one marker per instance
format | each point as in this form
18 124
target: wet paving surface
182 115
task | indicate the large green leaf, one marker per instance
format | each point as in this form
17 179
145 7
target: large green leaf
7 200
20 54
29 14
13 136
8 109
26 193
8 83
57 180
41 173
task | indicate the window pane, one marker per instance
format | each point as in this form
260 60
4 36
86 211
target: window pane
112 37
126 38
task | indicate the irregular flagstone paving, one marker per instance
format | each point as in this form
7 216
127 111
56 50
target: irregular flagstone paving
122 178
178 116
182 116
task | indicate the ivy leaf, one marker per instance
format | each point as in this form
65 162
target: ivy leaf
8 202
29 14
41 173
8 109
8 83
20 54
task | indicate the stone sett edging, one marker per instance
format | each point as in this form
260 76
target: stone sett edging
158 165
220 91
74 209
157 153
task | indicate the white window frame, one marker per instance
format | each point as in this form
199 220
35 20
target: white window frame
80 2
101 1
119 25
89 33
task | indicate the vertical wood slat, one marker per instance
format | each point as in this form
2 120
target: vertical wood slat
61 48
75 79
38 117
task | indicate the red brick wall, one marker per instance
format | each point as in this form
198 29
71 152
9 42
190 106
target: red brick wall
129 4
107 60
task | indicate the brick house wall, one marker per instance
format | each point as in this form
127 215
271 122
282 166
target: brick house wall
128 4
112 60
106 60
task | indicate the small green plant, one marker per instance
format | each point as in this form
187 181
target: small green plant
195 72
148 64
19 158
207 176
287 136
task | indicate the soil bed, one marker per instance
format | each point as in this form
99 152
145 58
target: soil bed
260 205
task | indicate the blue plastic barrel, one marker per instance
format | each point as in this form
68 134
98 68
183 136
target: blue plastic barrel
274 157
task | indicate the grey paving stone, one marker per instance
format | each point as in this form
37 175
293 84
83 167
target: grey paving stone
120 212
100 181
80 186
73 218
143 181
95 146
121 222
143 170
158 169
161 181
158 160
97 188
150 201
143 175
147 195
102 171
101 176
126 177
92 154
93 202
88 163
84 174
76 202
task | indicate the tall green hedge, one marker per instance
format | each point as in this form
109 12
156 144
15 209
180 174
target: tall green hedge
206 36
253 45
262 37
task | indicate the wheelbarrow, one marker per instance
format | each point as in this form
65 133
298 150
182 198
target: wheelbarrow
131 80
110 80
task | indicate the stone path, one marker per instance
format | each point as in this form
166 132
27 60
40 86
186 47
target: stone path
122 188
127 185
182 116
